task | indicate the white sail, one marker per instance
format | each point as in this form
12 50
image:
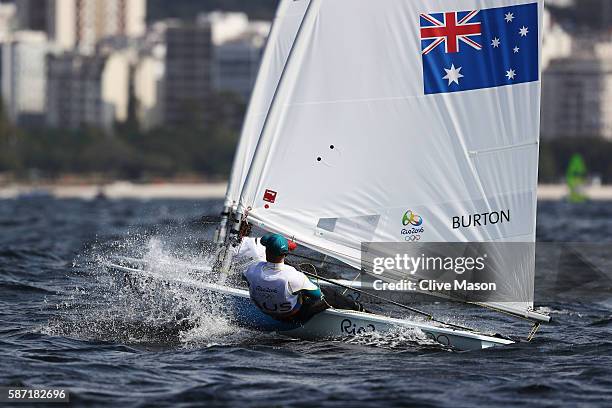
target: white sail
288 18
355 140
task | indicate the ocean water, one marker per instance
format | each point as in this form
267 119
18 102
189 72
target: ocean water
67 321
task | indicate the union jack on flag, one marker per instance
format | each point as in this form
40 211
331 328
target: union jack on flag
450 29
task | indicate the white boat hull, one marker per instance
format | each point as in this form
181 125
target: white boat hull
332 323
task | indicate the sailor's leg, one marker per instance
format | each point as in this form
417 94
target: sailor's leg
338 301
331 298
310 308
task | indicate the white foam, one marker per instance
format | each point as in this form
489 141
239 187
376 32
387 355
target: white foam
397 338
140 309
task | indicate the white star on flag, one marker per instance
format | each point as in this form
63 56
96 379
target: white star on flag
509 17
453 74
511 74
516 50
524 31
495 43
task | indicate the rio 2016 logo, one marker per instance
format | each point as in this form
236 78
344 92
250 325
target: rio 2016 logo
414 222
411 218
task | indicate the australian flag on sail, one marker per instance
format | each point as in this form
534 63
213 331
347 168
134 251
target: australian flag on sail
475 49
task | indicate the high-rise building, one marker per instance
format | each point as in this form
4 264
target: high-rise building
87 90
82 23
7 20
23 76
148 79
238 47
236 66
32 14
188 82
557 43
575 97
560 3
598 13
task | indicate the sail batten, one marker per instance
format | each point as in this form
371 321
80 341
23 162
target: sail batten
366 127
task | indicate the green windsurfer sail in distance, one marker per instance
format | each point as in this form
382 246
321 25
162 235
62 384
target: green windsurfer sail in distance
576 179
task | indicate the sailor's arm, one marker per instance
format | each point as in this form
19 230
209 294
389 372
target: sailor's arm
314 294
305 287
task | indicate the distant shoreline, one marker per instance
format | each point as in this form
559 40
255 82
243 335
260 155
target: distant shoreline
556 192
127 190
118 190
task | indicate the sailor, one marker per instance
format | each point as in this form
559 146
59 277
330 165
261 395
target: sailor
283 292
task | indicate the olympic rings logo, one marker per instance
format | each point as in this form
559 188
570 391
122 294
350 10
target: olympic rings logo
413 238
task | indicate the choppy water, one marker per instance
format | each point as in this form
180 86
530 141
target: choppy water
65 321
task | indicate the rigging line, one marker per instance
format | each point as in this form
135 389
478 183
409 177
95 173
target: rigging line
316 273
417 311
308 258
353 281
323 261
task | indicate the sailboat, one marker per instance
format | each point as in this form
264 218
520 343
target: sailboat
367 114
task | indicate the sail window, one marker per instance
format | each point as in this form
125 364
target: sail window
360 229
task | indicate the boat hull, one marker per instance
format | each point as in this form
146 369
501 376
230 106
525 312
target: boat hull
332 323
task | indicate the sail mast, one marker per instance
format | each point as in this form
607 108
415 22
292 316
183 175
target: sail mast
242 209
280 40
239 214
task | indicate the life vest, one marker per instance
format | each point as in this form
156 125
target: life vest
274 288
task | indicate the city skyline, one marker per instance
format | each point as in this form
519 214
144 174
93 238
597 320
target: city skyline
92 65
88 60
